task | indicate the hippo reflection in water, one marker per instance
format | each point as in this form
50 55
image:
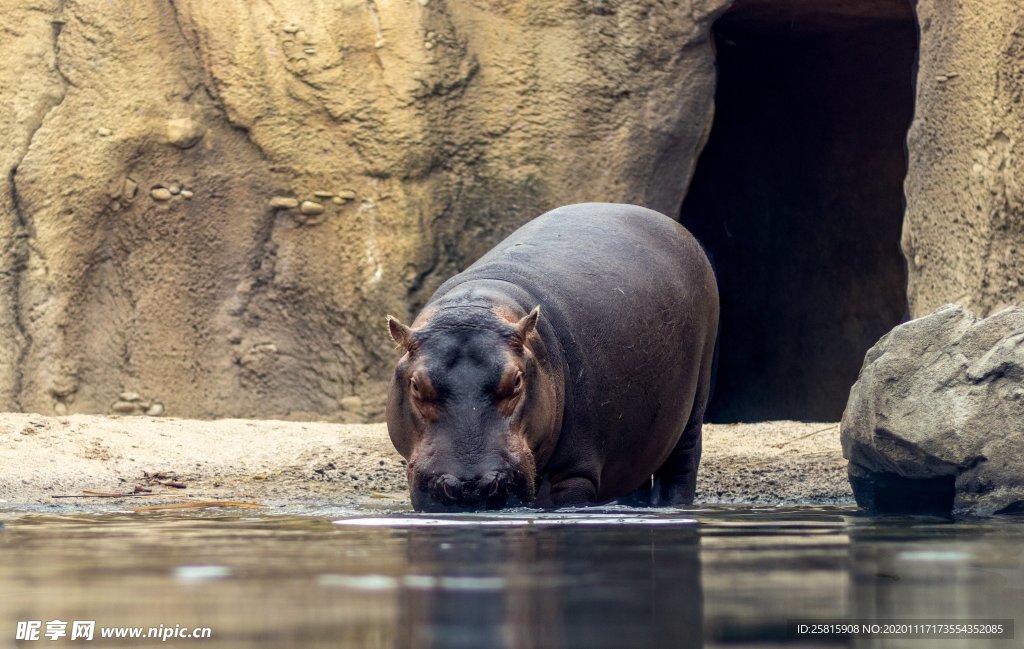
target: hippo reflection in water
564 368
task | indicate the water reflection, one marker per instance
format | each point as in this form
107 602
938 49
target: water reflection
553 587
941 570
731 578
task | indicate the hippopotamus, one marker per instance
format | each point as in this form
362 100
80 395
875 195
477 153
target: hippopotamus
569 366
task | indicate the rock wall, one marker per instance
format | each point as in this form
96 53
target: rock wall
963 230
210 207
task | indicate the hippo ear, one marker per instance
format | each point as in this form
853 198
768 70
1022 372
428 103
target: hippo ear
528 324
400 333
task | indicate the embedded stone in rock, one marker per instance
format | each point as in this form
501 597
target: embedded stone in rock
161 194
155 410
935 422
352 403
124 407
130 188
184 132
311 208
284 202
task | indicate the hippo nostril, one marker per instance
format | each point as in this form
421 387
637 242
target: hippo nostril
490 484
450 487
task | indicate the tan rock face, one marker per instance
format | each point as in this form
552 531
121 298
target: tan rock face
32 86
437 128
963 230
157 161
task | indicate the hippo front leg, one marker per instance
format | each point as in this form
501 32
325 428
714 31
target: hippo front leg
574 491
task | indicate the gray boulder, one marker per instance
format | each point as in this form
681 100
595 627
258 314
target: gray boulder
935 421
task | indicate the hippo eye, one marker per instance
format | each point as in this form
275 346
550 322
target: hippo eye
414 388
517 387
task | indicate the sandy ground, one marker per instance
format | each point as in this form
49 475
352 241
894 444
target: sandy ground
299 466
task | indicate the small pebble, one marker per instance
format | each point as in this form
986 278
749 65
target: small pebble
103 132
310 50
155 410
130 188
380 43
311 207
60 408
129 396
174 189
347 194
123 407
323 194
290 28
160 194
284 202
338 200
187 193
428 45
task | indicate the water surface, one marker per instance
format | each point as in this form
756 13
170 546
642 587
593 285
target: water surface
713 576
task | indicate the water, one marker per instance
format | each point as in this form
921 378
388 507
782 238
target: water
724 576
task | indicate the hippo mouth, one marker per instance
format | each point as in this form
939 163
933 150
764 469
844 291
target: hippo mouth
493 490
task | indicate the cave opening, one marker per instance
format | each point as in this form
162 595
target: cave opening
798 198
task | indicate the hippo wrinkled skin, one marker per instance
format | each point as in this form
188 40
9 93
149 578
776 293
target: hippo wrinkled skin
566 367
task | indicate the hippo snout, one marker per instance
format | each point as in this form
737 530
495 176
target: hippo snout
491 490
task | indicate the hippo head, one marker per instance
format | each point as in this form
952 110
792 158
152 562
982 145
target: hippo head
471 404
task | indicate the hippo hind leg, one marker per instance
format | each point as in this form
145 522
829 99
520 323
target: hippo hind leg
675 482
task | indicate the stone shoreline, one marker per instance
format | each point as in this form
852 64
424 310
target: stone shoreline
308 465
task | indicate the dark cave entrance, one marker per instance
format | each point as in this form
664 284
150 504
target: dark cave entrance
798 196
